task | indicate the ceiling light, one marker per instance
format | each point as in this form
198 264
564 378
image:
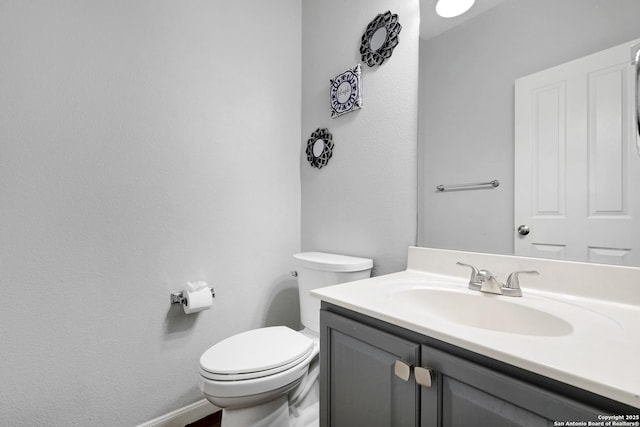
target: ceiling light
451 8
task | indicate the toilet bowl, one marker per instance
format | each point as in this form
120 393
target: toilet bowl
256 366
267 377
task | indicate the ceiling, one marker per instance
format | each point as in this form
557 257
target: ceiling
431 24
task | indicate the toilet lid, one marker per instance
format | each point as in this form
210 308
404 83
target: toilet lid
256 351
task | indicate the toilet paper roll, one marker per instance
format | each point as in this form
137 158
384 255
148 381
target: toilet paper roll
198 300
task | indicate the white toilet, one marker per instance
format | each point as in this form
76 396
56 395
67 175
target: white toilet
268 377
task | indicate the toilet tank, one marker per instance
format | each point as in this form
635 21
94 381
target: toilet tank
320 269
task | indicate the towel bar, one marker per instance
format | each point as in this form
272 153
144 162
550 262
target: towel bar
491 184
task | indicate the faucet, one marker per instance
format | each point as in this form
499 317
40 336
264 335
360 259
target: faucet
485 281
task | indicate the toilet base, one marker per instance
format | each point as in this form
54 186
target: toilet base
277 413
274 413
307 413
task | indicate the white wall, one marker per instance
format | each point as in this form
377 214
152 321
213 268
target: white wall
142 145
467 107
363 202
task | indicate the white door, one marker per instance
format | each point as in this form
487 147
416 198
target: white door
577 170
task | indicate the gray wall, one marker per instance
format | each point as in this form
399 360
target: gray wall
363 202
142 145
467 107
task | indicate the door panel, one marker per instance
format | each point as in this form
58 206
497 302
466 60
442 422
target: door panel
463 405
468 394
577 172
358 379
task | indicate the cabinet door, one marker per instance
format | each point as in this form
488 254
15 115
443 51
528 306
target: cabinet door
465 393
358 385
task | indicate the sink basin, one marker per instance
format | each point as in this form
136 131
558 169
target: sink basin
483 311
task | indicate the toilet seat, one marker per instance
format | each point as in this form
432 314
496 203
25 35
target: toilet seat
255 354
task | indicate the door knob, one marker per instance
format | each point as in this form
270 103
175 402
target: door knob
424 376
523 230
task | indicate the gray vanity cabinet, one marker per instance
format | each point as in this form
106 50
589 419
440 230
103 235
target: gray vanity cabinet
359 386
464 393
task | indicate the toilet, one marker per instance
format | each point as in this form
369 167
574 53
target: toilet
268 377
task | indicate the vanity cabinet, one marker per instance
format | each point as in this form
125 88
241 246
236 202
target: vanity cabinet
359 385
464 393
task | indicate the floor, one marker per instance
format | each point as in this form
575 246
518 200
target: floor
212 420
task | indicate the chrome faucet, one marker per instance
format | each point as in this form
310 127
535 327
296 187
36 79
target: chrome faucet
485 281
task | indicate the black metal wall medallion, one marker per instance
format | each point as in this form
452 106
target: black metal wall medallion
319 148
380 38
346 92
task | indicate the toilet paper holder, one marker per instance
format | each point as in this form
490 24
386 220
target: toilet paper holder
178 298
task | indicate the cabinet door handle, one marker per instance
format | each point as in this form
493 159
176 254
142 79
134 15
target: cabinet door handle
424 376
403 369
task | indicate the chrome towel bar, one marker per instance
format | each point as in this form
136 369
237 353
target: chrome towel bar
491 184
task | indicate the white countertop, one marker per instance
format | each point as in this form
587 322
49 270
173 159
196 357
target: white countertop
600 353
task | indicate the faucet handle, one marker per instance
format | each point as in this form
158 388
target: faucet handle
512 287
476 279
474 270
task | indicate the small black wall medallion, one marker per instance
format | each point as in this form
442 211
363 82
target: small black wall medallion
380 38
319 148
345 92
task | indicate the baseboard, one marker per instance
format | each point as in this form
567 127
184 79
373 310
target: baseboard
181 417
